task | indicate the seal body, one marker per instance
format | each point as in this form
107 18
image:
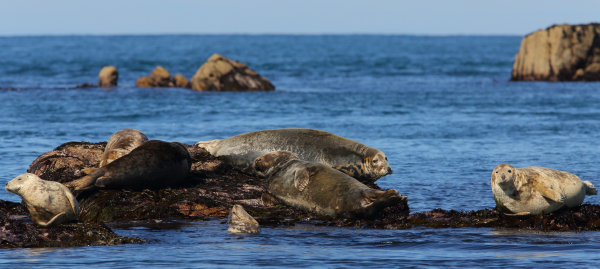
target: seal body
318 188
353 158
49 203
242 222
153 165
121 143
537 190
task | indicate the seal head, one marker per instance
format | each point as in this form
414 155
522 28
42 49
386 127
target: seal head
242 222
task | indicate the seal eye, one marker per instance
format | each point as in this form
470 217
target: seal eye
386 158
509 171
374 161
496 171
20 178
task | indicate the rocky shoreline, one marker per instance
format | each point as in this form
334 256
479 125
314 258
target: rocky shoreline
210 191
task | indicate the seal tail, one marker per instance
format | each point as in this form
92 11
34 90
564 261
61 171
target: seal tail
589 188
209 146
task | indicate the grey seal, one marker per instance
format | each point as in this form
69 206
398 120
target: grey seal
242 222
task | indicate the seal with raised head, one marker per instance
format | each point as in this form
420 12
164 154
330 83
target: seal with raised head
318 188
153 165
242 222
119 144
49 203
364 163
536 190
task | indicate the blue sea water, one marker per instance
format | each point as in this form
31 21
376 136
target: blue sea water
441 108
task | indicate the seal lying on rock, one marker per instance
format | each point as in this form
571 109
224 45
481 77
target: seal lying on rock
355 159
242 222
320 189
120 144
153 165
49 203
537 190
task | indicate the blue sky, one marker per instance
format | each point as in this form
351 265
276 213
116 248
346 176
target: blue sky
421 17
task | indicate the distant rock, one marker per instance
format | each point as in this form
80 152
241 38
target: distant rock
179 80
560 53
160 77
222 74
144 81
108 76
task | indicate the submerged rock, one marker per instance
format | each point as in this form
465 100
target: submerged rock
108 76
222 74
17 231
560 53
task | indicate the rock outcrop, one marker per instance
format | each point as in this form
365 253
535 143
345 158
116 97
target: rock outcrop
222 74
160 77
560 53
108 76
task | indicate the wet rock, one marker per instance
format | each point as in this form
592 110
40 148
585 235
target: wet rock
17 231
560 53
108 76
222 74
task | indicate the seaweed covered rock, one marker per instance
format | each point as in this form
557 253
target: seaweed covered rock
211 189
560 53
17 231
222 74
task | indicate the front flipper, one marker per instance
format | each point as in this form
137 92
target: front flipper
72 201
548 192
520 214
58 219
301 178
88 171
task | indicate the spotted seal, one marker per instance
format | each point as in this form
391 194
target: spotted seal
49 203
119 144
353 158
537 190
242 222
318 188
153 165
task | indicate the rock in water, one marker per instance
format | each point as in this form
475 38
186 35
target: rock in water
144 81
180 81
222 74
108 76
560 53
160 77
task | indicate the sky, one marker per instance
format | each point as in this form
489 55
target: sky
416 17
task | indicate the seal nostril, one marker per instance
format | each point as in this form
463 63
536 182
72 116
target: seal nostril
390 170
503 176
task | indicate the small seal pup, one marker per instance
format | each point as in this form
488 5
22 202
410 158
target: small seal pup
49 203
153 165
537 190
318 188
119 144
242 222
353 158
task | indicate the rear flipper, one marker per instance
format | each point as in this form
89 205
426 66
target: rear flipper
89 171
85 183
589 188
56 220
377 200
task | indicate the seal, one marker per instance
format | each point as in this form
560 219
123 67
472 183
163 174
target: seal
242 222
318 188
153 165
353 158
49 203
119 144
537 190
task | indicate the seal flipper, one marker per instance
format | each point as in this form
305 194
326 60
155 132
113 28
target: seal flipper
549 193
87 182
89 171
376 200
589 188
56 219
72 201
301 178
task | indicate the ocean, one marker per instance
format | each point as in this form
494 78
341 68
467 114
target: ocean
442 108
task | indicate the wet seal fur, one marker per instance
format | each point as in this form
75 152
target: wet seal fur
353 158
318 188
242 222
536 190
49 203
153 165
120 144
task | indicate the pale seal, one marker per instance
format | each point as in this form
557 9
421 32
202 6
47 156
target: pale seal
537 190
49 202
119 144
242 222
318 188
353 158
153 165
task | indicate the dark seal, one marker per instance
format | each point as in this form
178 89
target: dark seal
153 165
318 188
